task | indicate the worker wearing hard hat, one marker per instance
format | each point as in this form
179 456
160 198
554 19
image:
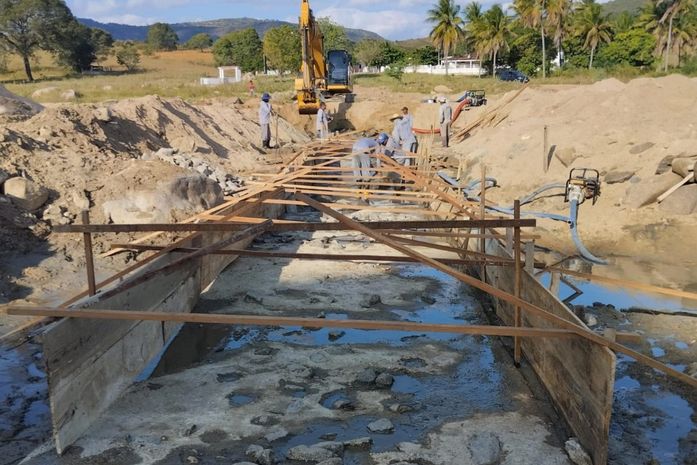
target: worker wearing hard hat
323 120
445 118
265 114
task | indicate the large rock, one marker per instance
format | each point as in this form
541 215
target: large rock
566 155
485 448
646 192
24 193
198 191
617 177
576 452
681 202
309 454
683 166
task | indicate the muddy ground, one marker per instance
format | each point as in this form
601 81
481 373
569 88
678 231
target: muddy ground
216 391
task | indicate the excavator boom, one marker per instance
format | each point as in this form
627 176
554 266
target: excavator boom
321 75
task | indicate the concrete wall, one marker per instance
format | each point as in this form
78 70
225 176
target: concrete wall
90 362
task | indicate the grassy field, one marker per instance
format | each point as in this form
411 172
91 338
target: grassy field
176 74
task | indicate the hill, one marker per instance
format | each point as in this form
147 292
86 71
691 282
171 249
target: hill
614 7
215 28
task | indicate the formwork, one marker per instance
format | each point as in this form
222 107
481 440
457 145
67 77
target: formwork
110 333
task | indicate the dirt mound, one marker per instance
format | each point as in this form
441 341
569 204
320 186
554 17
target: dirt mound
637 127
87 155
16 108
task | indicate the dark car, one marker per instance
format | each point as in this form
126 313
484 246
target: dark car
512 75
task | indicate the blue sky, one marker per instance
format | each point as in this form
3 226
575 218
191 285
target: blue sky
393 19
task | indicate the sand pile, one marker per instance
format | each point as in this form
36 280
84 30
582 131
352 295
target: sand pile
629 132
126 156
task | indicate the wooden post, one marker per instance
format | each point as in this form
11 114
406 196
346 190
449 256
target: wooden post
545 149
89 259
509 240
482 207
516 257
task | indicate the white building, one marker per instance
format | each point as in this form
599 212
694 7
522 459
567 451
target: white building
466 66
226 75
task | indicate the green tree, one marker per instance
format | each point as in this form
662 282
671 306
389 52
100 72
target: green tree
127 55
447 30
623 22
240 48
103 43
76 49
30 25
335 37
199 41
161 36
634 48
368 52
496 33
396 70
593 26
282 48
525 51
426 55
533 14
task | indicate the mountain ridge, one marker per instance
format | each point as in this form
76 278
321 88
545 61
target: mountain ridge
215 28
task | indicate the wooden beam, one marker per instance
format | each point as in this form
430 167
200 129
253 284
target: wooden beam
318 256
578 329
626 283
255 320
517 318
297 226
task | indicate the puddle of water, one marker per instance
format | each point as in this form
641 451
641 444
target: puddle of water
238 400
620 298
328 400
405 384
677 423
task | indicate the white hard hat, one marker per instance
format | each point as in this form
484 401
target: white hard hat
442 99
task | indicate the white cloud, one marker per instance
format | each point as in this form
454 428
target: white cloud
389 23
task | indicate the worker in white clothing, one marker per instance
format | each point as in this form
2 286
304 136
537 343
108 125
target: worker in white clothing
407 139
396 120
362 150
323 120
446 117
265 114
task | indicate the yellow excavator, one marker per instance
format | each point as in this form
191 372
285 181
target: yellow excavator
322 76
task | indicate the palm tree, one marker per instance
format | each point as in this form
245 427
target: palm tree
447 29
532 14
474 22
623 22
674 7
495 33
593 26
558 12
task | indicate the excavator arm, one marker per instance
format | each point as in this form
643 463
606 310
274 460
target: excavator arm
314 66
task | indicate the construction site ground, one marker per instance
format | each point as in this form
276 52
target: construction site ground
218 390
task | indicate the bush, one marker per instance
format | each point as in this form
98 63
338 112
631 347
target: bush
690 67
396 70
127 55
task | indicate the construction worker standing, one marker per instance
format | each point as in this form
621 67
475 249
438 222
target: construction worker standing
446 117
323 120
265 113
406 133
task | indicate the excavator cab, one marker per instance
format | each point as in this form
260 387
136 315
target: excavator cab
338 72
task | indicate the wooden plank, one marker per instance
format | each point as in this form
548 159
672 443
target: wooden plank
296 226
256 320
627 284
578 376
516 280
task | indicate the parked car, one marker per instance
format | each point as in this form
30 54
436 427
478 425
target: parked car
512 75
